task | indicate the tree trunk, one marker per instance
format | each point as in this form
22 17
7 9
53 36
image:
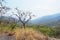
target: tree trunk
24 25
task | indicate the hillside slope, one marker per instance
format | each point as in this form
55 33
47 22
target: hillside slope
50 20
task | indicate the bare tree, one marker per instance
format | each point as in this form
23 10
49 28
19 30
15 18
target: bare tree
23 17
1 2
3 8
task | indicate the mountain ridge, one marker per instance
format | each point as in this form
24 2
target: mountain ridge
48 20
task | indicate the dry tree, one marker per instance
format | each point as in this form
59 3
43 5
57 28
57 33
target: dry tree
23 17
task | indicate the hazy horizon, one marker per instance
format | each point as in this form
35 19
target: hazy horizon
37 7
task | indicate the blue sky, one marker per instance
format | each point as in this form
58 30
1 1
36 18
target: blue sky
38 7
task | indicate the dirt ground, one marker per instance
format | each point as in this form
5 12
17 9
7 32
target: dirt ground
6 37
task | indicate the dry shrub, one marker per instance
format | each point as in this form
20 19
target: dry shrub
29 34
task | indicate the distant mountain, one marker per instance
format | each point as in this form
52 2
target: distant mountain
51 20
8 19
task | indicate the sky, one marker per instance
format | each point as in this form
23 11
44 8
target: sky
37 7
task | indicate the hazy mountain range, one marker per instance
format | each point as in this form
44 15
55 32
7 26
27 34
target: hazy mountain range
8 19
50 20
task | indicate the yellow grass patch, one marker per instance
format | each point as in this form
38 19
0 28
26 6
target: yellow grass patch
28 34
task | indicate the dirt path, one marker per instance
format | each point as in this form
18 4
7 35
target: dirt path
6 37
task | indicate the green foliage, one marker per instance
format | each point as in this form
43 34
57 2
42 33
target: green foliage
48 31
10 26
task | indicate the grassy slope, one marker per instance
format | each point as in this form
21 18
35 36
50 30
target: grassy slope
34 30
29 34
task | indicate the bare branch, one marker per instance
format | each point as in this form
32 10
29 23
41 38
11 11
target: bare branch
23 17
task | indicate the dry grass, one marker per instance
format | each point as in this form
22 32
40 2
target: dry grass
28 34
